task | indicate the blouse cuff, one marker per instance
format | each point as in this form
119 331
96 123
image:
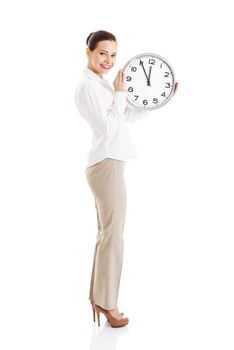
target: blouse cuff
120 98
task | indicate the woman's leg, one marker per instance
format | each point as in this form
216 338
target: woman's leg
94 255
107 183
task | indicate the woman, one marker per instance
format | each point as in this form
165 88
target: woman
106 112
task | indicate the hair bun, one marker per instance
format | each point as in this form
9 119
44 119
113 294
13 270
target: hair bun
100 35
87 40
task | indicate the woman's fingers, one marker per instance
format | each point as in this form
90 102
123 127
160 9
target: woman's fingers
176 87
121 75
119 81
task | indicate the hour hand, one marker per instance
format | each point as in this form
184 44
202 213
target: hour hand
148 82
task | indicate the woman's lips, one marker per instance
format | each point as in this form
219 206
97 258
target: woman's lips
105 66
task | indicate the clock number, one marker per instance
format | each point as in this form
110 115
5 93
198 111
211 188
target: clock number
133 69
168 85
145 102
151 61
130 89
128 78
155 100
163 94
166 74
136 97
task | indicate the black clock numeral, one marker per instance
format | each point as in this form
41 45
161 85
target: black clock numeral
145 102
130 89
151 61
128 78
136 97
133 69
168 85
166 74
155 100
163 94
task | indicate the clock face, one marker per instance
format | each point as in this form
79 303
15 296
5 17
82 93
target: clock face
149 81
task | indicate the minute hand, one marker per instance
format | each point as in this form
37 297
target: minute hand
147 78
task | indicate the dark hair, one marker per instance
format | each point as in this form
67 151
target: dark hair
94 38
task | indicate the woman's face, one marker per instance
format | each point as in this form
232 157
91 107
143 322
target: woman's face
102 59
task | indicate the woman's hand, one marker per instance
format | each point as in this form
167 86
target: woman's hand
119 81
176 87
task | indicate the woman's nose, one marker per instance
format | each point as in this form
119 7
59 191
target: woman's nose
108 59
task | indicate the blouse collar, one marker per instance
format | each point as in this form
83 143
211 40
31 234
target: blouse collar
93 76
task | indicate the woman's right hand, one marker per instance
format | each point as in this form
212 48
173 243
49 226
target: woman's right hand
119 81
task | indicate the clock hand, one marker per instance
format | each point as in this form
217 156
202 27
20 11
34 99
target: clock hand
148 82
141 63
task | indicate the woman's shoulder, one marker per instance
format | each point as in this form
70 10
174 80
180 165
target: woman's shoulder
86 84
86 89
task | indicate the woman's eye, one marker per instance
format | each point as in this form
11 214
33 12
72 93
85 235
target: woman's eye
102 53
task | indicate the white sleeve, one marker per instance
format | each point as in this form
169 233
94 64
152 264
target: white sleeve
133 115
92 105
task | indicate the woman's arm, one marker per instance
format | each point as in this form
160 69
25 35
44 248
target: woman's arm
104 118
133 115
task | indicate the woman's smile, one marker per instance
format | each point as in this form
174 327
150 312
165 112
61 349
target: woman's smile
105 66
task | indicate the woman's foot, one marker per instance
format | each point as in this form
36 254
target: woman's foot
114 312
112 316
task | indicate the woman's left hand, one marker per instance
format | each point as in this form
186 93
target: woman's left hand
176 87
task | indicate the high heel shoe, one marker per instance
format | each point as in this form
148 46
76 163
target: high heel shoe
92 303
114 322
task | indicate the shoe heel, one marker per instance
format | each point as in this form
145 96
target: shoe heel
98 317
94 314
93 308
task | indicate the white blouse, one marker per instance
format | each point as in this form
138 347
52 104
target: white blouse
106 112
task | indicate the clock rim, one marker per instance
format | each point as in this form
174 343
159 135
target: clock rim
173 74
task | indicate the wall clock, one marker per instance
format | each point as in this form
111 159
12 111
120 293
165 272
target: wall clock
149 81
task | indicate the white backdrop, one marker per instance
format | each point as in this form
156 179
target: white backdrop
177 282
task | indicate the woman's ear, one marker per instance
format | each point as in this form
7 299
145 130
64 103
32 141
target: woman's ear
87 52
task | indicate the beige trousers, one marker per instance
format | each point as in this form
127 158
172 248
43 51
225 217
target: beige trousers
107 183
